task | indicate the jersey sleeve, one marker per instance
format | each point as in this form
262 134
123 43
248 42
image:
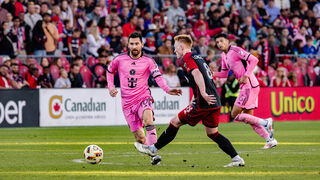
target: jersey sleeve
156 74
112 69
190 64
224 69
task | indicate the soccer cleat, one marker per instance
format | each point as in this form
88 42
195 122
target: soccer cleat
155 160
271 143
236 163
269 127
145 149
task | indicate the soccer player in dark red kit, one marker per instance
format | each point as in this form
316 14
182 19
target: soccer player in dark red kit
205 106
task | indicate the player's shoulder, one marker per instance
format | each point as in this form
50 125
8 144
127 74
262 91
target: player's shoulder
238 51
121 56
148 58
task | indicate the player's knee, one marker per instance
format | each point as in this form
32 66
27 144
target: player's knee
176 122
212 134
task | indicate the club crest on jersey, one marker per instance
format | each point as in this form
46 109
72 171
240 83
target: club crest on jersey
132 72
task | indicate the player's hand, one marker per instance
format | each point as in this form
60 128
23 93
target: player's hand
211 99
243 79
113 92
177 92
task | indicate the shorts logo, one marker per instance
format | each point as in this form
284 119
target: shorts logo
55 109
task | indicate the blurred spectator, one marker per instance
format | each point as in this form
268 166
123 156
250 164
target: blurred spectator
95 14
229 93
95 41
174 12
3 14
201 48
57 62
246 10
301 35
272 10
298 47
46 80
63 81
309 49
51 34
130 27
262 11
292 77
166 48
6 61
75 77
171 77
7 38
214 68
5 81
78 60
32 76
267 54
44 62
150 47
284 47
282 4
39 39
20 82
20 33
74 43
281 79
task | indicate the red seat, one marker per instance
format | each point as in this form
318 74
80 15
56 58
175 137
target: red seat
92 61
166 62
55 72
65 64
312 74
40 69
86 75
23 70
99 70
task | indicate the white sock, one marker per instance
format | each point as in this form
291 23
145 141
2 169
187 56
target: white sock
263 122
267 138
237 157
153 148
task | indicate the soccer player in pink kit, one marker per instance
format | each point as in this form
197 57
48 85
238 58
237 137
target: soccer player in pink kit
241 64
134 70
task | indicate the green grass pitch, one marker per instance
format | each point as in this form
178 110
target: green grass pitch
56 153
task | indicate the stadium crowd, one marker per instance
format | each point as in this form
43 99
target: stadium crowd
36 35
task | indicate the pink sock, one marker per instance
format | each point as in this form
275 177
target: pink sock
247 118
260 131
151 135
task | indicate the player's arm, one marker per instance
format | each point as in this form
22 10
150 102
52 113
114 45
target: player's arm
224 70
252 62
202 86
155 72
112 69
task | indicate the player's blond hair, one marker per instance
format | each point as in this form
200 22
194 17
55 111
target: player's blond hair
185 39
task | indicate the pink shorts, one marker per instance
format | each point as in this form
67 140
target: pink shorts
248 98
133 114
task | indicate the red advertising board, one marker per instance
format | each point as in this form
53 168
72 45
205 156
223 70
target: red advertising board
285 104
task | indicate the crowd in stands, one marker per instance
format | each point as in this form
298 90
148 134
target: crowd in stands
70 43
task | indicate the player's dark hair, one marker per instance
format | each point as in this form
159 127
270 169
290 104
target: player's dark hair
223 35
135 35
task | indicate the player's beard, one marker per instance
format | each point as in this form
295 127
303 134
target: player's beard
135 52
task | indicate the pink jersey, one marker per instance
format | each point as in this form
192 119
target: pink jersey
240 63
134 75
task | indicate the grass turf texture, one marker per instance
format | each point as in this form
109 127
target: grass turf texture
56 153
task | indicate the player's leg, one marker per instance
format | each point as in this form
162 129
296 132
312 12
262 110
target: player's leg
139 136
147 117
211 122
165 138
225 145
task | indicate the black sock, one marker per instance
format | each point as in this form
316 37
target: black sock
224 144
167 136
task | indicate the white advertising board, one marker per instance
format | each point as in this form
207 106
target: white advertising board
95 107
